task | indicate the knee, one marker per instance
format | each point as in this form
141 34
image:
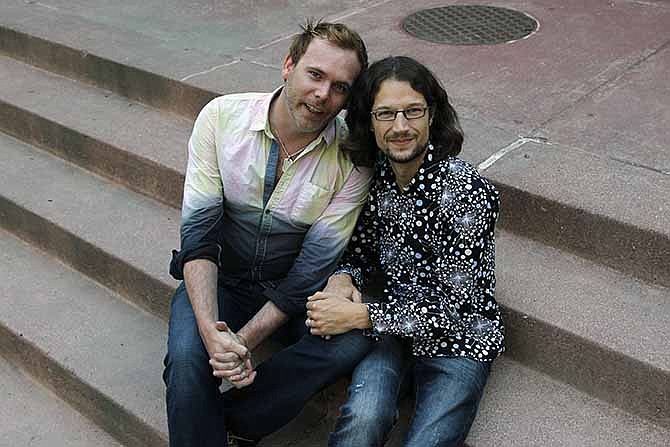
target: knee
186 362
347 350
363 422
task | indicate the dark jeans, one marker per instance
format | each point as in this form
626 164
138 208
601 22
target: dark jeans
447 394
195 407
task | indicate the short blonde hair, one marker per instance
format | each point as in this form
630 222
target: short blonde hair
338 34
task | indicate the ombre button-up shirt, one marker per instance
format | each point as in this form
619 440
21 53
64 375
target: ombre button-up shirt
289 236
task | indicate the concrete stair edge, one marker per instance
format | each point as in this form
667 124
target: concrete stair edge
127 168
527 335
34 415
120 422
557 224
132 82
130 429
630 249
588 366
112 272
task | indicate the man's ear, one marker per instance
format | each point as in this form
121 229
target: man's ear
287 67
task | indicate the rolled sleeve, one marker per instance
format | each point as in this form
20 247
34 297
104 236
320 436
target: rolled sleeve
202 206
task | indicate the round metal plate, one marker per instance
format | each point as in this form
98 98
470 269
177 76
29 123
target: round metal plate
469 25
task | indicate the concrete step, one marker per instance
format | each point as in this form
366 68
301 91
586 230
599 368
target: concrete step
596 206
130 143
78 48
612 212
586 324
97 351
31 415
137 64
103 356
581 322
109 233
525 408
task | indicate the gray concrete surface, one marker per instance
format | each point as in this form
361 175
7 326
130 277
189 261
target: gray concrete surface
606 320
30 415
118 237
98 352
577 113
521 408
571 83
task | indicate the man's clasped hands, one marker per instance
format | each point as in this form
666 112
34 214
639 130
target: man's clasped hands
328 313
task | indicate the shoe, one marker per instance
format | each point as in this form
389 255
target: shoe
238 441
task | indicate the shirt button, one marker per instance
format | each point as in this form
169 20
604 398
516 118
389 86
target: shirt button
267 211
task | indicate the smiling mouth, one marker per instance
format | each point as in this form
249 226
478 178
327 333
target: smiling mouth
312 109
401 140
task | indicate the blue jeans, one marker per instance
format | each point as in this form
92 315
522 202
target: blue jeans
447 394
195 407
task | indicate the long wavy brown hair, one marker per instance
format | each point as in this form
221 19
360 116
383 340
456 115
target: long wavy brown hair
445 131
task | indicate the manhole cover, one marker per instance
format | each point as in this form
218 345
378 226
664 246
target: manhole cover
469 25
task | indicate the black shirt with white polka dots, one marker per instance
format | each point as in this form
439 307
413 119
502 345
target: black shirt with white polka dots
434 243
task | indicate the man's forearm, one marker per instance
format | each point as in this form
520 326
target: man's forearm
200 277
264 323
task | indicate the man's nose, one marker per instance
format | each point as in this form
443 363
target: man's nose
400 122
322 91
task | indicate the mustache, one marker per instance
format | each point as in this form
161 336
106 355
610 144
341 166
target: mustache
396 135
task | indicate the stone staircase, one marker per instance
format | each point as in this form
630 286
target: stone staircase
92 155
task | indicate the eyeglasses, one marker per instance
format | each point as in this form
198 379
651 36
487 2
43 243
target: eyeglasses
412 113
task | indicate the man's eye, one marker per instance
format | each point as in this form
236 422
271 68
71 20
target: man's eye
341 88
385 114
414 112
315 74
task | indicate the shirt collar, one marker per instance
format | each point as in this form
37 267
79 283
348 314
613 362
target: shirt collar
261 121
388 176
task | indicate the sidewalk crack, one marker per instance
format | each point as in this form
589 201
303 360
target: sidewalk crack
509 148
209 70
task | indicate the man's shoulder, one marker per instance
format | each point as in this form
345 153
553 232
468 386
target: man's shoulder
466 175
232 100
236 108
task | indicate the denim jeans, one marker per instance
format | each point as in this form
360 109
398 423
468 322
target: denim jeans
196 409
447 394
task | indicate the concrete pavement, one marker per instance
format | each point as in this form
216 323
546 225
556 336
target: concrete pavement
571 123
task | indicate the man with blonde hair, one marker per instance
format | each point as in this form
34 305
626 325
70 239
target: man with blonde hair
270 201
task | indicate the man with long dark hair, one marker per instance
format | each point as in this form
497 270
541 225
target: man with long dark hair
428 226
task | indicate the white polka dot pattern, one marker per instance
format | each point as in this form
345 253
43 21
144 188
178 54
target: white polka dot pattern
434 242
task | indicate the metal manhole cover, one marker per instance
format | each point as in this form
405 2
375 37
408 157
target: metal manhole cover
469 25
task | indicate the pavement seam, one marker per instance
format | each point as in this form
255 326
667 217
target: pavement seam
650 4
639 165
358 11
44 5
601 86
210 70
263 64
333 18
509 148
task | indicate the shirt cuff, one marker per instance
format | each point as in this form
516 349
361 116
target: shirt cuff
284 302
179 258
354 272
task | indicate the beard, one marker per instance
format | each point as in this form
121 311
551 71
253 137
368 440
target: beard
304 121
402 158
